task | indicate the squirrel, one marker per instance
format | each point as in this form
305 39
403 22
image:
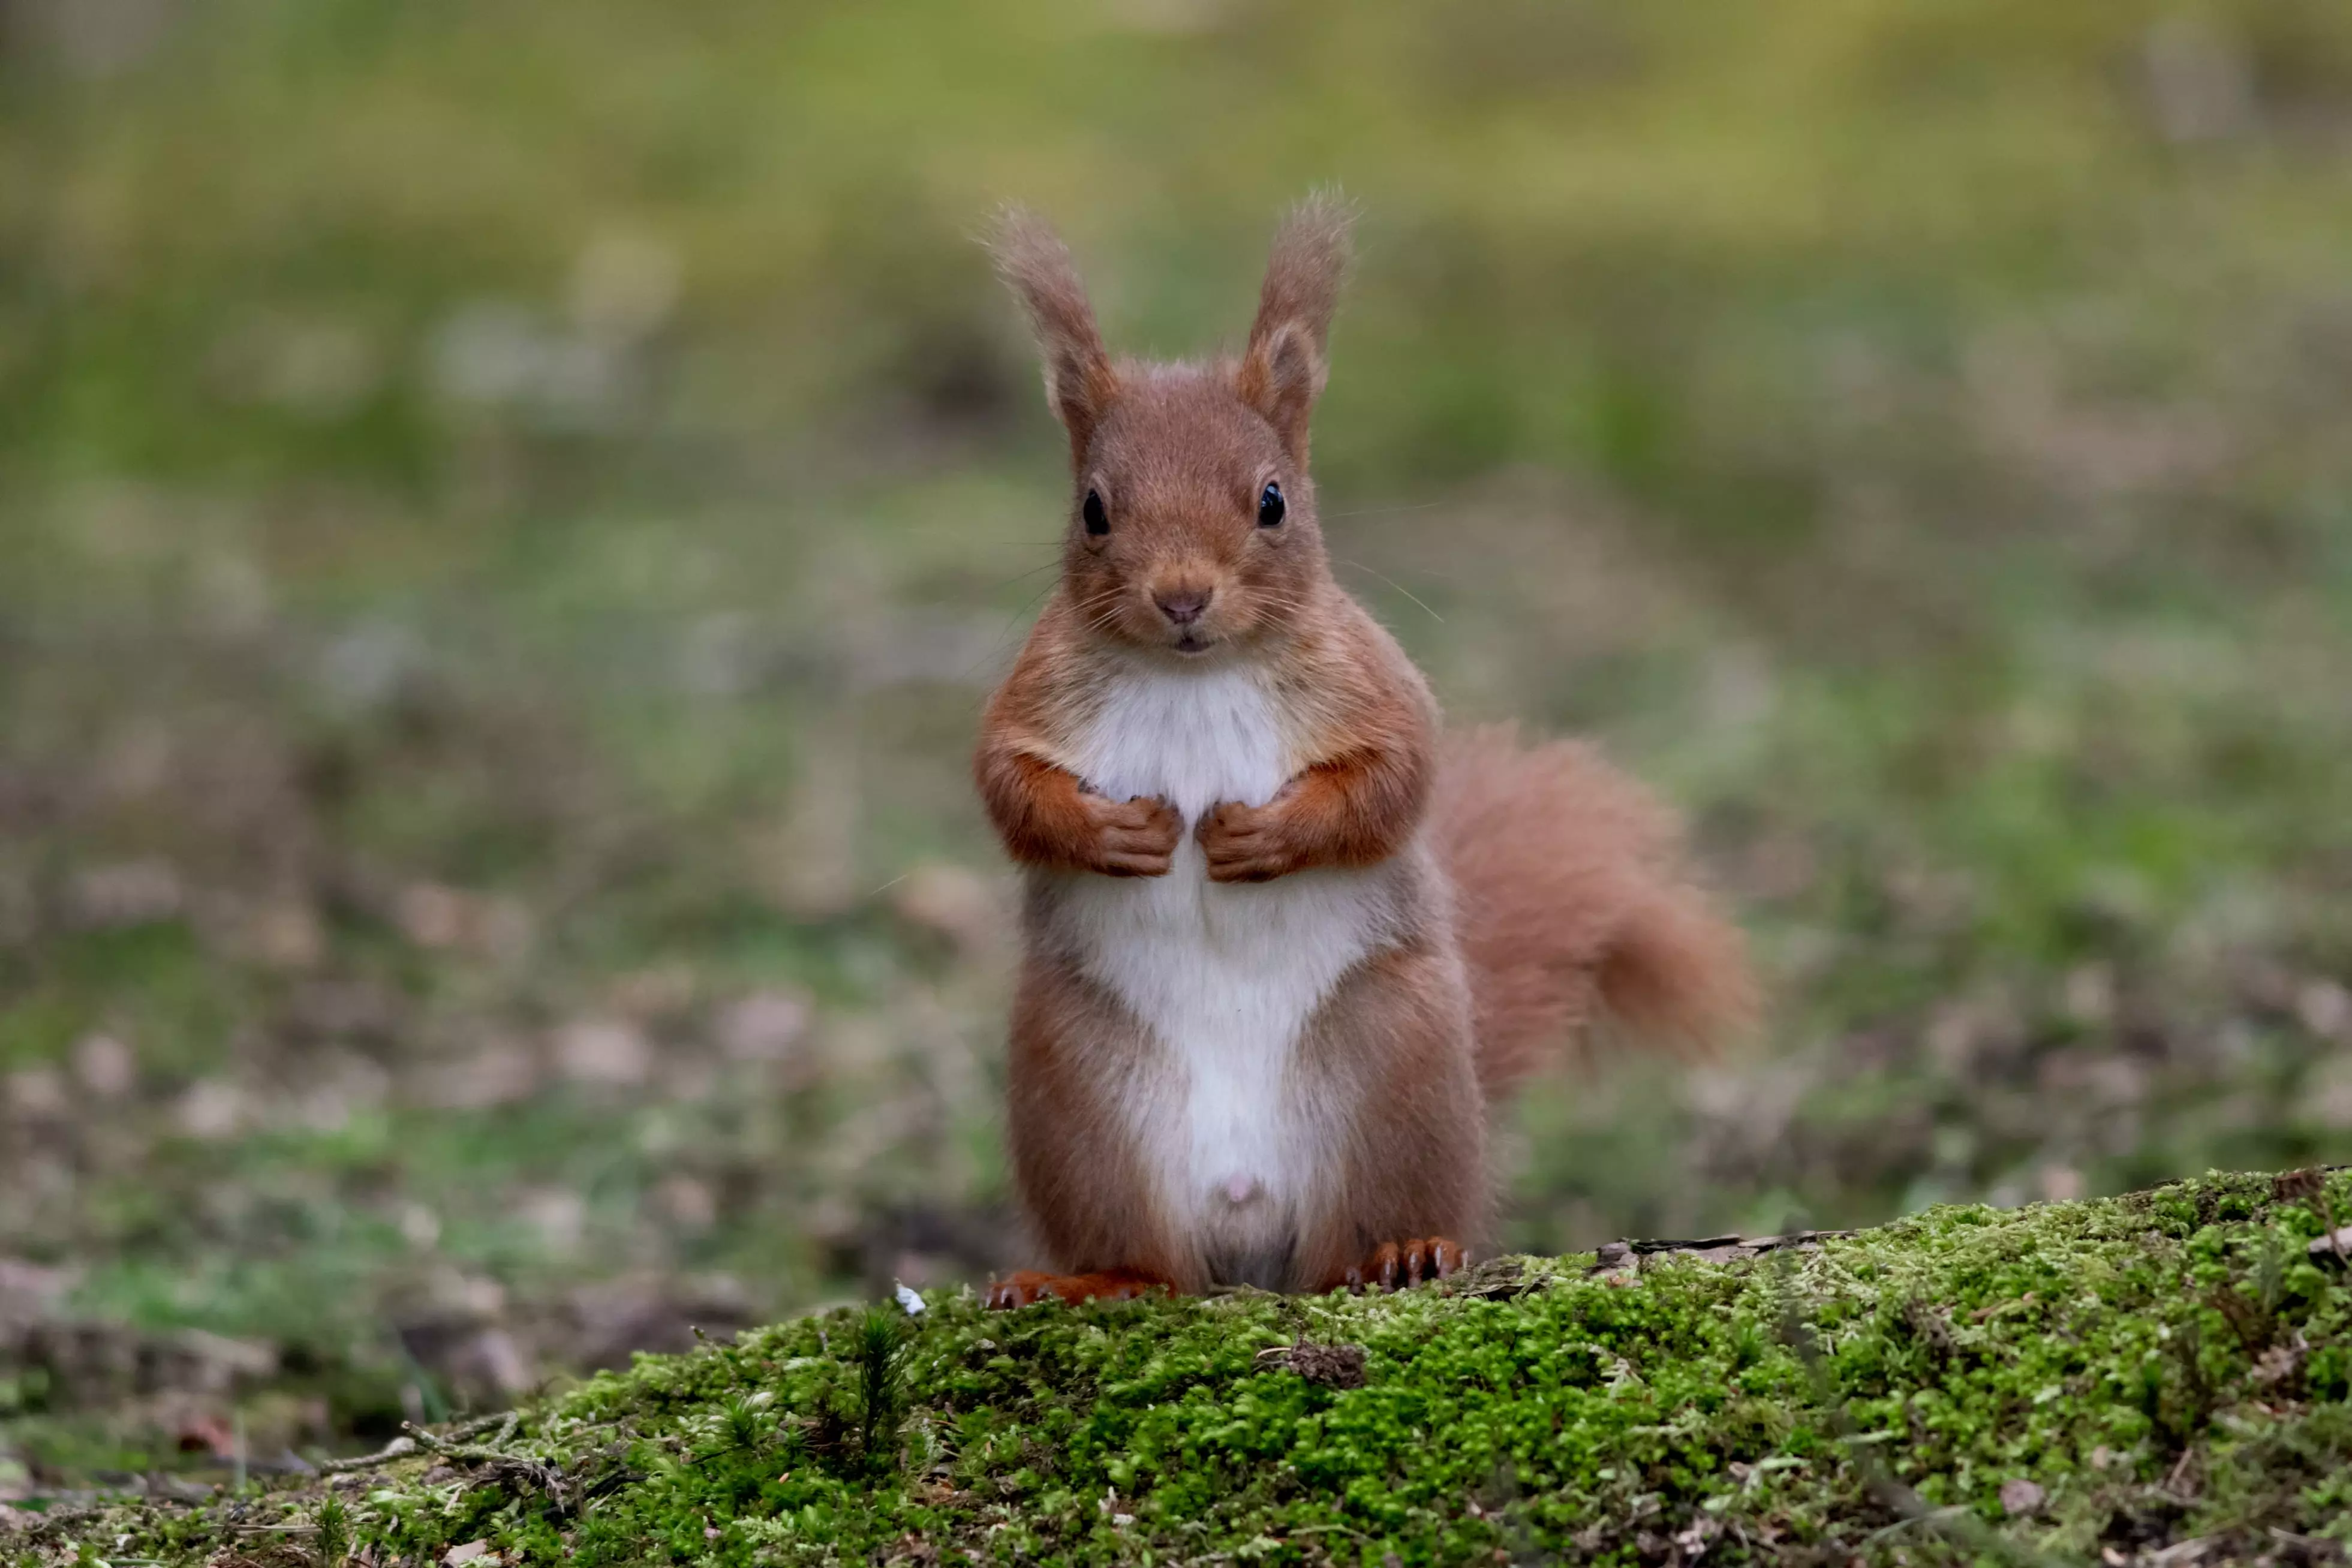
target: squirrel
1284 941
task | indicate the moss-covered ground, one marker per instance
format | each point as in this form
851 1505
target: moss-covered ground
2162 1377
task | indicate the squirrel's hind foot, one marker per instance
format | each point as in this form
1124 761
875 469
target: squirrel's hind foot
1395 1265
1029 1286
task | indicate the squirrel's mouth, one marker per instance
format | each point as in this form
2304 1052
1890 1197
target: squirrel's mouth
1192 641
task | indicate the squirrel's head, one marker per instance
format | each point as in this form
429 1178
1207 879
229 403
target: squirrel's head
1191 515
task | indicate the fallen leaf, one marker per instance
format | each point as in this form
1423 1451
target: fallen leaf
2325 1008
763 1026
500 1074
2294 1187
211 1109
37 1092
29 1290
286 936
1329 1365
688 1203
444 918
105 1066
954 902
560 1217
131 894
604 1051
2021 1496
2277 1364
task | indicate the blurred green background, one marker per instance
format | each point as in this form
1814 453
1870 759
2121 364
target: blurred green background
508 512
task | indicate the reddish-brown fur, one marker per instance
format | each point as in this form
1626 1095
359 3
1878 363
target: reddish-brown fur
1546 891
1573 907
1413 1165
1086 1200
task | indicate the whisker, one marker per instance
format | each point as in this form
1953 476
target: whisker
996 643
1400 587
1386 511
1108 597
1024 576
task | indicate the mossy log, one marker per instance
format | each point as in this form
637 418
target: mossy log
2162 1377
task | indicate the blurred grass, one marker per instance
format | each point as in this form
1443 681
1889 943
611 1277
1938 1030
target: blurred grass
510 515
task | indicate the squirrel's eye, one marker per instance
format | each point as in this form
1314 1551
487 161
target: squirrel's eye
1098 520
1269 506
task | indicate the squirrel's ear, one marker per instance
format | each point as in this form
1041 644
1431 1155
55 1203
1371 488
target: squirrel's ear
1283 370
1036 266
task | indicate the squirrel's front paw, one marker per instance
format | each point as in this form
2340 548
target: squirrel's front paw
1135 837
1028 1286
1246 843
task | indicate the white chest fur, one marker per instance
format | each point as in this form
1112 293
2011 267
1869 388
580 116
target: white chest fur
1225 975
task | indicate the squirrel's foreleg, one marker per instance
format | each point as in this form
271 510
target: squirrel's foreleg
1046 817
1354 810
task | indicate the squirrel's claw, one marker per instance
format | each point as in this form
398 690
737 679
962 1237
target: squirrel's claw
1136 837
1397 1265
1244 844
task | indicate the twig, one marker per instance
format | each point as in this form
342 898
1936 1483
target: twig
544 1474
492 1452
1931 1518
399 1447
474 1426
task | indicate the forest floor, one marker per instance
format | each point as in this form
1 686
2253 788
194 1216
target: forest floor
488 877
2161 1378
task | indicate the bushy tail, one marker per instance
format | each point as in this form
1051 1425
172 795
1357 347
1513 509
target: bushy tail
1576 910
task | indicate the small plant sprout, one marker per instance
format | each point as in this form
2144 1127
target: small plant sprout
881 1388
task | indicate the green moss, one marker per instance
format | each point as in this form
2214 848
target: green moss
2166 1365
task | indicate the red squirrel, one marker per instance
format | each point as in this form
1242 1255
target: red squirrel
1285 940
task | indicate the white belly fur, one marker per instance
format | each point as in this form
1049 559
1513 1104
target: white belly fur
1225 976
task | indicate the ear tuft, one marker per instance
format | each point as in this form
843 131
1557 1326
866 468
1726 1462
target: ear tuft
1284 367
1036 266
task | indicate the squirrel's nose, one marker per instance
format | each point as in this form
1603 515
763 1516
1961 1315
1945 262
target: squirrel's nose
1183 606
